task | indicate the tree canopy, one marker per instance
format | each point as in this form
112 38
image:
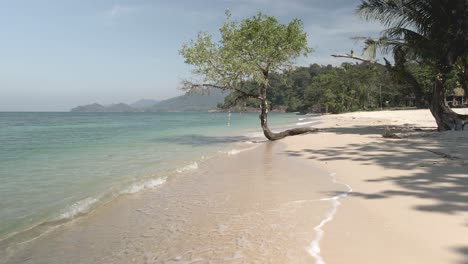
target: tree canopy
248 52
336 89
432 33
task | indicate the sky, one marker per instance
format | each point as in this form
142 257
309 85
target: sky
57 54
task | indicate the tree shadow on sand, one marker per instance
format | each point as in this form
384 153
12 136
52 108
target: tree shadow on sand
464 252
441 178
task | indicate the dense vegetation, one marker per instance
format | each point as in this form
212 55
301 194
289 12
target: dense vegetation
428 40
429 43
349 87
431 33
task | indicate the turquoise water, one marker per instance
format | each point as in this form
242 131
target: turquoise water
55 166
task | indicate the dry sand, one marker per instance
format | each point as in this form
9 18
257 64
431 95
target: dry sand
410 195
278 203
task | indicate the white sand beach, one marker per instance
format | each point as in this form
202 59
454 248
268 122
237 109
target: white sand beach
410 195
289 202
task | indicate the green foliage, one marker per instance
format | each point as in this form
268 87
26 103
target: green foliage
253 60
349 88
328 89
246 51
433 32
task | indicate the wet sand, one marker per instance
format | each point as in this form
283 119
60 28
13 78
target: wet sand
259 206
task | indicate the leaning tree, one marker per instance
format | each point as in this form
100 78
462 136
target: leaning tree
435 32
247 52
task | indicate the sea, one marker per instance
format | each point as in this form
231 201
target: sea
58 166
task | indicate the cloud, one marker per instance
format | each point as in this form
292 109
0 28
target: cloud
330 31
119 10
342 21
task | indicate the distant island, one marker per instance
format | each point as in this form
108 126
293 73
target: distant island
117 108
183 103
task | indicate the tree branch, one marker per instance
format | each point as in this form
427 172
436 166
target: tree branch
236 99
244 94
354 57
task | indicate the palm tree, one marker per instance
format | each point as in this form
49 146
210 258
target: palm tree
435 32
399 70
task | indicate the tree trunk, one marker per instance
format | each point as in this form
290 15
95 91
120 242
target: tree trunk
264 121
446 118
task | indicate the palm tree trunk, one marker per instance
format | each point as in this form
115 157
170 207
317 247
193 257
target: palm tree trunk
446 118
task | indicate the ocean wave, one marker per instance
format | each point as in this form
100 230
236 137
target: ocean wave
306 123
190 167
75 210
138 187
78 208
254 135
234 152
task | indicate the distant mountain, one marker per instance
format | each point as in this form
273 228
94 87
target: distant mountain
190 103
89 108
96 108
144 103
121 107
183 103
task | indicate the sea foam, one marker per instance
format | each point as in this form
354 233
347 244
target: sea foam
306 123
80 207
314 248
191 166
137 187
235 151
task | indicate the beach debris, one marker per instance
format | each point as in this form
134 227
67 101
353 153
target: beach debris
390 133
444 155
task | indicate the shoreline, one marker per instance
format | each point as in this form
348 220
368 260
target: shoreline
343 195
129 165
89 205
219 213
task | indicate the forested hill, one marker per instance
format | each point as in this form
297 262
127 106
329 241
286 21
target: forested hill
98 108
144 103
190 103
183 103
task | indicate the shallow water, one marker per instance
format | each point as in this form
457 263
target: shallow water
258 206
55 166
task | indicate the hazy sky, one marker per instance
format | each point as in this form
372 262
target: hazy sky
56 54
